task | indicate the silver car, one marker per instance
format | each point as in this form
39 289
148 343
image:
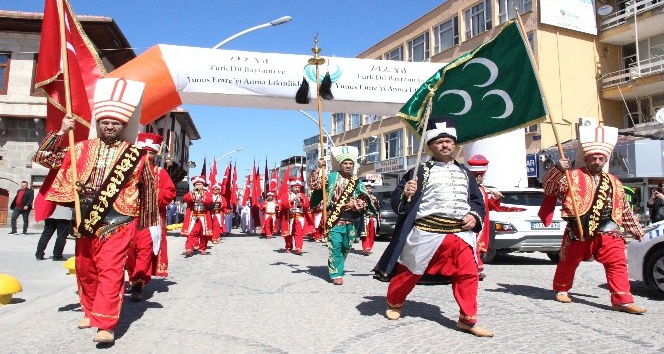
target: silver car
645 259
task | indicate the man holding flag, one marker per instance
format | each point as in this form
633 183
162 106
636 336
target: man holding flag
109 220
488 91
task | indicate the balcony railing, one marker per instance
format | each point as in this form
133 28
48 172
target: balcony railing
645 67
619 17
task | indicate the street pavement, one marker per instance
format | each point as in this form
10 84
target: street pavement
248 296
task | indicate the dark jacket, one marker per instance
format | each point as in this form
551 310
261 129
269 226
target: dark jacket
28 197
407 211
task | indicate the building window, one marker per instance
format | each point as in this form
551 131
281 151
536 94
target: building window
371 118
355 121
446 35
394 144
506 8
532 129
357 144
5 59
372 149
478 19
413 143
33 91
395 54
339 123
418 48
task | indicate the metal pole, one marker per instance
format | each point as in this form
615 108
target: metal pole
277 22
317 61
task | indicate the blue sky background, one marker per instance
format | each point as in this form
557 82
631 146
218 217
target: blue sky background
345 29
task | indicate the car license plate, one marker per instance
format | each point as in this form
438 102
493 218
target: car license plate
540 226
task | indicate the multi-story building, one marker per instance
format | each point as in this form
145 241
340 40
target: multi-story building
600 61
23 110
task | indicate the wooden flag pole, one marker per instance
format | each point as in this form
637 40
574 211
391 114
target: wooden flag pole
317 61
553 126
427 114
65 74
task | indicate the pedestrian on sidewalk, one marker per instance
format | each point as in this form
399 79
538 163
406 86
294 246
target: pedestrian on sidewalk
21 206
60 221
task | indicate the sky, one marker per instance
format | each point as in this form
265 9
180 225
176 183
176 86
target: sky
345 28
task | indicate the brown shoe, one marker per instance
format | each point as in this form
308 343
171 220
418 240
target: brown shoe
188 253
563 297
104 336
481 276
475 330
203 253
393 313
84 323
338 281
298 251
367 251
630 308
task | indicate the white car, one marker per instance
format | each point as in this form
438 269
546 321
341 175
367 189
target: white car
523 231
645 259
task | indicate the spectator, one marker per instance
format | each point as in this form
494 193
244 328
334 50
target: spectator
171 213
60 221
21 205
182 207
656 203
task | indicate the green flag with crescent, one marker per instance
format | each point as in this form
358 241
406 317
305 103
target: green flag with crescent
490 90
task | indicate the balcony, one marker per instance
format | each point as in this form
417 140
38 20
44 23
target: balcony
646 75
618 28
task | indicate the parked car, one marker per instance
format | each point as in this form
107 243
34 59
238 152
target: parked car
523 231
388 218
645 259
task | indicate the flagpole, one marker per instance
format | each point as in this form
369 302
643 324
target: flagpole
553 125
317 61
65 74
427 114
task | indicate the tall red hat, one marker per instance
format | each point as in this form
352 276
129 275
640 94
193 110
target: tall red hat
295 181
216 185
198 179
149 141
478 164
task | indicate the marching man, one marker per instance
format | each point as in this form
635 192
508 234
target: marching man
297 206
217 213
149 254
270 208
197 224
371 221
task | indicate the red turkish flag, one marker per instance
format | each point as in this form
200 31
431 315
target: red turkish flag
283 189
234 188
226 187
84 64
213 173
274 181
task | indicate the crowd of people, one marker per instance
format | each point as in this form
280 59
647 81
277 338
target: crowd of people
125 201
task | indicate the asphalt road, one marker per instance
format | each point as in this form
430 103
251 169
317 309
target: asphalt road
248 296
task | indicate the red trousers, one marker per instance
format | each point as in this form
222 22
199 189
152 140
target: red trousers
297 232
268 224
454 258
140 257
100 266
368 240
607 250
480 264
196 239
160 261
218 228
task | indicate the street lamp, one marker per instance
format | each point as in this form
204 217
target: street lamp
228 153
329 138
363 157
277 22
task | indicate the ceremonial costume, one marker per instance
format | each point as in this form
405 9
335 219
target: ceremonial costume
217 208
149 254
429 236
478 165
197 224
371 222
346 199
270 209
117 194
297 205
603 211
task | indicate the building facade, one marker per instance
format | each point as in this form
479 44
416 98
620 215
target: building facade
603 61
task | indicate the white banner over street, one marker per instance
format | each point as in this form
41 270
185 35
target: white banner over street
177 75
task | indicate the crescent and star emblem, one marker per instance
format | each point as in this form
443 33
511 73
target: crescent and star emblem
493 75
